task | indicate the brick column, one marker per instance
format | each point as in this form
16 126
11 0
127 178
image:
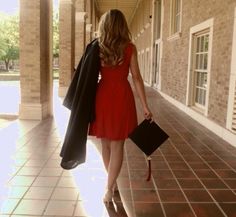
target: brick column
80 29
88 22
67 45
35 59
88 33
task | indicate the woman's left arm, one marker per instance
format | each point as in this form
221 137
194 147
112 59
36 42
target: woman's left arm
138 83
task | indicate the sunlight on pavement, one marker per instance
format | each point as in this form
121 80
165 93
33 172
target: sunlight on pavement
10 97
31 179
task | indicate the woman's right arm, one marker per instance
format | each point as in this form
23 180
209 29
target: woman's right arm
138 83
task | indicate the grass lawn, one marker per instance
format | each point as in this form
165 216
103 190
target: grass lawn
9 72
55 73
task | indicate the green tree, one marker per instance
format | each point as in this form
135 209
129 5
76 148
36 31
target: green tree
55 34
9 38
2 45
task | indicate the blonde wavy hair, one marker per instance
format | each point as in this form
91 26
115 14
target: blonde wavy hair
113 36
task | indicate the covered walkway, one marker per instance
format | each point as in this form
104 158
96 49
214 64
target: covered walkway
194 172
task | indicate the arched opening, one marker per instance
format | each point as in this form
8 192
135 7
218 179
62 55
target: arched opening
9 61
27 80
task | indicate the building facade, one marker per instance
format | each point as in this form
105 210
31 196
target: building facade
186 51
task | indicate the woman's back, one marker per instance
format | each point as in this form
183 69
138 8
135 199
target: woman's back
115 107
119 71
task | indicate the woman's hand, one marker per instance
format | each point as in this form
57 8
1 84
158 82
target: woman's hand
147 113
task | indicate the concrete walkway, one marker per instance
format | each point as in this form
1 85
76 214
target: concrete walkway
194 172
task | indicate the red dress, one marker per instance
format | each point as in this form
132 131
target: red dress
115 112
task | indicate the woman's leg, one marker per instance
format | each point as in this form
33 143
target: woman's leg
106 152
115 163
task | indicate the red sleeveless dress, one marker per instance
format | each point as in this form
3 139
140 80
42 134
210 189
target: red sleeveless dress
115 111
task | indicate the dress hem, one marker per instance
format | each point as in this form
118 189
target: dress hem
110 138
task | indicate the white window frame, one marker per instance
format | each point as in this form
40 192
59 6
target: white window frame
155 40
232 85
142 55
175 34
147 66
199 106
208 24
156 64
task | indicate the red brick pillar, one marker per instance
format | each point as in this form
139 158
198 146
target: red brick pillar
88 22
35 59
67 44
80 29
88 33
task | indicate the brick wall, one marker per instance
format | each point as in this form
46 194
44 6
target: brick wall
141 28
174 62
175 53
140 20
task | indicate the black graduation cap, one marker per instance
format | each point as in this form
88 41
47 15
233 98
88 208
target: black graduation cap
148 136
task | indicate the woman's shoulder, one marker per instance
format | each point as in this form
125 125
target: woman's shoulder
131 47
131 44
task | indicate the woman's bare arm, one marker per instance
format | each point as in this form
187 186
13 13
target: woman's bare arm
138 83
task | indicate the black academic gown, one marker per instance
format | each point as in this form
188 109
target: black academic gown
80 99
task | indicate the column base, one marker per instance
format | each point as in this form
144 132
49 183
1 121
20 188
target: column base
62 91
34 111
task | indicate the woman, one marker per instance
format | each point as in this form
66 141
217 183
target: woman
115 112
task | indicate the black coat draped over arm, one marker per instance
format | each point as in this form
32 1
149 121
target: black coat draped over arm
80 99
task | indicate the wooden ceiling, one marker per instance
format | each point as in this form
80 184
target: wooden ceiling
128 7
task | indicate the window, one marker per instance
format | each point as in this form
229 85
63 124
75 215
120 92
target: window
200 66
175 16
231 110
157 43
234 112
147 66
142 63
156 73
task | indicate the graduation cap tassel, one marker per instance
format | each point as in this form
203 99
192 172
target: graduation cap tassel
149 168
